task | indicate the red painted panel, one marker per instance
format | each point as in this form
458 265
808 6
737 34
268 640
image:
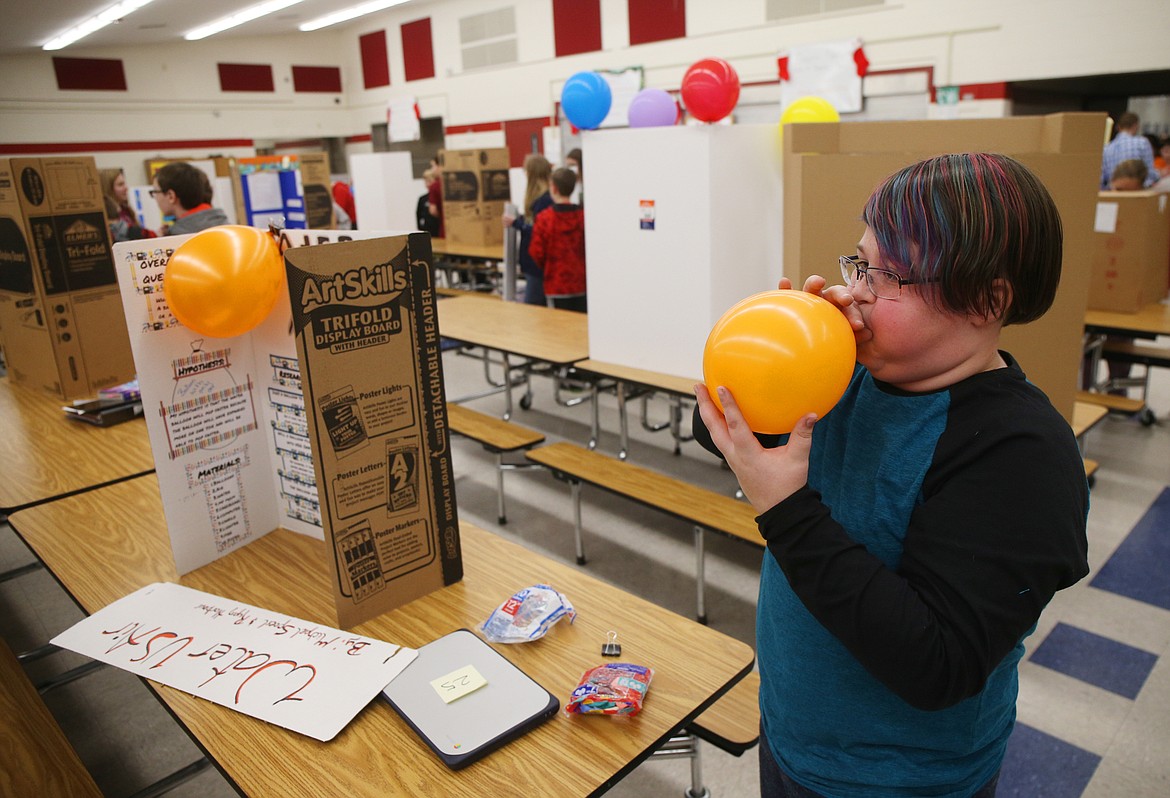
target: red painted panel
246 77
479 127
375 62
417 53
97 74
518 135
984 91
317 78
210 145
577 26
657 20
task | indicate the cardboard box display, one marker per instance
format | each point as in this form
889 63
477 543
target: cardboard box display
1131 250
831 169
475 189
60 312
371 369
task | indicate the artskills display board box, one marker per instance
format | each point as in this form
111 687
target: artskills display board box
363 314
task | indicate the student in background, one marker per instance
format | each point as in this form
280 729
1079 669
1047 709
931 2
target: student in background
123 223
558 245
915 533
184 192
435 196
1129 175
1128 143
1162 158
537 171
343 201
428 222
573 161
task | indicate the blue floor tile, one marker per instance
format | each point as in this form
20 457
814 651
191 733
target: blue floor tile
1038 765
1100 661
1138 568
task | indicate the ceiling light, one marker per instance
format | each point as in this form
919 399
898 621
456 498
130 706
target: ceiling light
95 23
349 13
238 18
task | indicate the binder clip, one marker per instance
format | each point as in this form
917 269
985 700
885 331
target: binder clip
611 647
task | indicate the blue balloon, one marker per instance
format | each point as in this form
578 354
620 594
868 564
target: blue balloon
586 100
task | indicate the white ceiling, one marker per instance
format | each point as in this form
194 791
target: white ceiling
25 25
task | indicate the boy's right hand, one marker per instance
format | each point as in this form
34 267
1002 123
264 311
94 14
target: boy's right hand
840 296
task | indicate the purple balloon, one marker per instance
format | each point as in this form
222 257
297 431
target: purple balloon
652 108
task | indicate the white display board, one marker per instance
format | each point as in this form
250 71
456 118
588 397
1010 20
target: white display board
384 192
225 416
680 224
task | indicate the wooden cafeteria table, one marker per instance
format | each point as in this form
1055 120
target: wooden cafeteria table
441 246
540 334
103 544
674 386
46 455
1152 320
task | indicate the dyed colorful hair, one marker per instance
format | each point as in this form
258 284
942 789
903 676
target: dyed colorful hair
964 222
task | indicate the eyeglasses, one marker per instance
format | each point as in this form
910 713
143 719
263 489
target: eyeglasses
155 191
883 283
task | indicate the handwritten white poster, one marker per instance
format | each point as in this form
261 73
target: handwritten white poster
308 678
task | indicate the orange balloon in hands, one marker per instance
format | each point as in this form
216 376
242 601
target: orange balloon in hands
224 281
782 354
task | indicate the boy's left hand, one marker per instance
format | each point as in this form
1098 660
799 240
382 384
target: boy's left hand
767 476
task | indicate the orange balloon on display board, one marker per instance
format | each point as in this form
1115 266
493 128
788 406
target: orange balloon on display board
225 280
782 354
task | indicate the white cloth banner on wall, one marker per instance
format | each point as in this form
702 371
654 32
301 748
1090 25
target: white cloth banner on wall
402 119
624 84
830 70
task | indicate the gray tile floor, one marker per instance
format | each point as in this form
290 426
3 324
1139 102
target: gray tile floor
128 740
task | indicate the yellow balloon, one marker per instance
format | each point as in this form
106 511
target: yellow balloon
225 280
782 354
810 109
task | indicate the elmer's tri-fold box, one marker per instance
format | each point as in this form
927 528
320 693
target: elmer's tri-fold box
61 318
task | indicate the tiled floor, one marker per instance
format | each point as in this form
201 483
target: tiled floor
1095 688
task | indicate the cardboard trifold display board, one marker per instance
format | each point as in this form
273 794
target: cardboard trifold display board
1131 250
60 316
368 343
232 421
831 169
475 190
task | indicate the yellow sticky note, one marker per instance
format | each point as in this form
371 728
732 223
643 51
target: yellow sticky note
458 683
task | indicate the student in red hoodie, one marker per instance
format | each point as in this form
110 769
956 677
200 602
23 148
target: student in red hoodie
558 245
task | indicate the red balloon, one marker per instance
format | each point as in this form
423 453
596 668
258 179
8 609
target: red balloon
710 89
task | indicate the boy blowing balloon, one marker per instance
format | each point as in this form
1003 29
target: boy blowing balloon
917 531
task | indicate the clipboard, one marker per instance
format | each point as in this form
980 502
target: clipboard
476 722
